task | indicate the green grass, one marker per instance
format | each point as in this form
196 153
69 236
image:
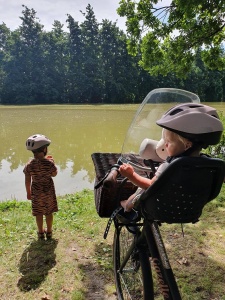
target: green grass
60 268
77 263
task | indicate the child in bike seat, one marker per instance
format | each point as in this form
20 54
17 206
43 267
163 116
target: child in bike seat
149 150
187 128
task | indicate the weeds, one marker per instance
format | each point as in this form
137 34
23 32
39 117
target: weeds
77 263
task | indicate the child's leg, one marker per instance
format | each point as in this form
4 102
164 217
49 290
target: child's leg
39 221
49 222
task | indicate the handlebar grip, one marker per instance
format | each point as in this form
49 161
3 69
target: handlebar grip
110 180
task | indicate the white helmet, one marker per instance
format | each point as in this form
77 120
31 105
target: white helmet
197 122
37 141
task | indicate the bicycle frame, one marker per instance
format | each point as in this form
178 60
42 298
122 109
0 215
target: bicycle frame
160 261
133 252
150 237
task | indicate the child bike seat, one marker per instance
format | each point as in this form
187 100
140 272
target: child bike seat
183 189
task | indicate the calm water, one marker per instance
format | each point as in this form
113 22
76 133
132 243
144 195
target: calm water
76 132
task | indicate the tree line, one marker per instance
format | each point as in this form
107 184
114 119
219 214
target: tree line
89 63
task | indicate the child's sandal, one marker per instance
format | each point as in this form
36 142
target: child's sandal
41 235
48 235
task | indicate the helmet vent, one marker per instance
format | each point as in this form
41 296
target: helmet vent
194 106
176 111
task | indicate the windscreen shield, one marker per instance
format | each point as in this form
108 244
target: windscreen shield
143 125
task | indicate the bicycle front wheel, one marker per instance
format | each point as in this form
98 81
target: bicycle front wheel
132 270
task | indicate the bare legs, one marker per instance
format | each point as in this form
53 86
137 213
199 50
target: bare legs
49 221
39 221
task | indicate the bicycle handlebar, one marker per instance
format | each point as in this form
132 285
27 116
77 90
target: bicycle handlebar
136 166
110 179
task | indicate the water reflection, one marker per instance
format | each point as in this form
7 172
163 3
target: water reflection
75 131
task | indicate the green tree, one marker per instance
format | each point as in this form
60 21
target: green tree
32 57
205 82
91 64
4 44
13 78
24 81
170 36
76 76
55 48
119 70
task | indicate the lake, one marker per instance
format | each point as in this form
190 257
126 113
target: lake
76 131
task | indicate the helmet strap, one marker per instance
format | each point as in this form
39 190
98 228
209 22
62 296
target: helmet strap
192 149
45 150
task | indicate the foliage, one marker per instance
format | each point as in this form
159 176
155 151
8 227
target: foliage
89 63
218 151
65 67
170 36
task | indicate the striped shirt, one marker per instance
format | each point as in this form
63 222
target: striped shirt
43 195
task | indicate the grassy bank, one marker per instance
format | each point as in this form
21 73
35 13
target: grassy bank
77 264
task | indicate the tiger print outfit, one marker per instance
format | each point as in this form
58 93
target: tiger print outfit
43 195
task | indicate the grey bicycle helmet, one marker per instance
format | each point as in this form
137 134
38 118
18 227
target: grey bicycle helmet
37 141
197 122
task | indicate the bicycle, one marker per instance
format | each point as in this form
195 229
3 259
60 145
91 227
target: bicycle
138 245
177 196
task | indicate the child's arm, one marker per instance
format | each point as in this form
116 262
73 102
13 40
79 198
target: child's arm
127 170
54 173
28 185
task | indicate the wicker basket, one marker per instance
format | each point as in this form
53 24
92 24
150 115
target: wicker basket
107 200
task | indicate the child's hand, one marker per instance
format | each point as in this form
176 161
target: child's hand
50 158
126 170
123 204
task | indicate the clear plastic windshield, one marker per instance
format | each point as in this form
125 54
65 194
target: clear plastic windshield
143 126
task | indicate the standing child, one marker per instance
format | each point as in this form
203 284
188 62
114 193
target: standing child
39 183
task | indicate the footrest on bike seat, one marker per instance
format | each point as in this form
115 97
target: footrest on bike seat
123 217
128 217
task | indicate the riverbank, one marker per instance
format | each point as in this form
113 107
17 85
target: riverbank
77 263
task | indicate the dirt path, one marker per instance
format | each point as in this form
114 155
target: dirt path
95 284
95 280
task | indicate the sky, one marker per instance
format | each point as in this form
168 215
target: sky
50 10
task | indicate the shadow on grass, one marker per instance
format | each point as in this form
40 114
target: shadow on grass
198 258
98 275
35 263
